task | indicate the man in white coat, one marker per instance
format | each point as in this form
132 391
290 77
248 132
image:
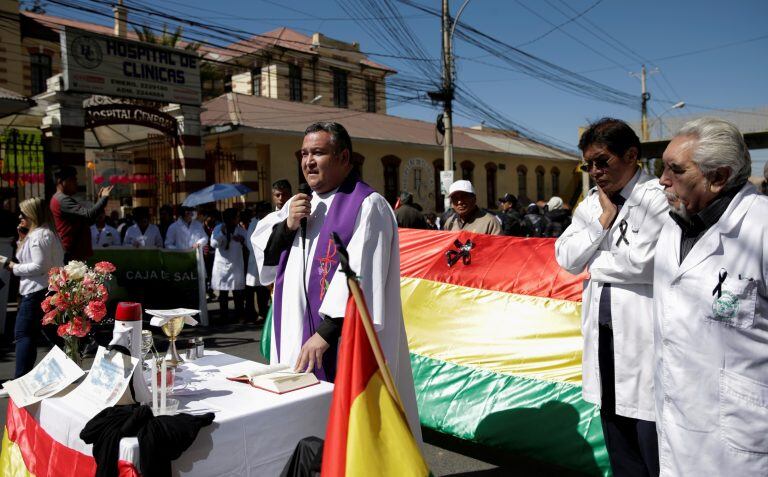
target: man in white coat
103 234
711 308
186 232
613 236
311 294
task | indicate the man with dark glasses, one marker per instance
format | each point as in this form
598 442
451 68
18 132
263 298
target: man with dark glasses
613 237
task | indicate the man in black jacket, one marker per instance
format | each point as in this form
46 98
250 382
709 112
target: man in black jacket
511 220
407 215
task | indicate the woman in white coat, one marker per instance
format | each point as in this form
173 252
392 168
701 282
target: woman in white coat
228 264
142 234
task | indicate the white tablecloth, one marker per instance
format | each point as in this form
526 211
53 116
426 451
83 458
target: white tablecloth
254 432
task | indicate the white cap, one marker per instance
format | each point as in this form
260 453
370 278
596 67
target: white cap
461 186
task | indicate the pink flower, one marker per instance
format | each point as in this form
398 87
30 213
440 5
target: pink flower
80 326
96 310
104 267
63 330
46 304
62 301
50 317
101 291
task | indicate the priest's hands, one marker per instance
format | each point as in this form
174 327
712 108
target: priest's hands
300 208
311 355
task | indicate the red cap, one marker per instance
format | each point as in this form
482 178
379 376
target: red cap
128 311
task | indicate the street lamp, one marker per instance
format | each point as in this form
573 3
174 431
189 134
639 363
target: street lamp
678 105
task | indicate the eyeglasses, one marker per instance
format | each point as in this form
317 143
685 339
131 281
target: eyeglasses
600 163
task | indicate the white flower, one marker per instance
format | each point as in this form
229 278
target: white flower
76 270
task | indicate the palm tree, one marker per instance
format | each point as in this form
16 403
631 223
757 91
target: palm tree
209 74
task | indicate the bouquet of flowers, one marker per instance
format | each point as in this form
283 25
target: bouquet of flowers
78 297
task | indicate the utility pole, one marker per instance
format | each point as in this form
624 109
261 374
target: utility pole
447 94
646 96
644 108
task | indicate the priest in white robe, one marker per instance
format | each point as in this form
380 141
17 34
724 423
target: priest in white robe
300 259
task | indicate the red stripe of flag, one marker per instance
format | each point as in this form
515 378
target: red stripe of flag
356 366
524 266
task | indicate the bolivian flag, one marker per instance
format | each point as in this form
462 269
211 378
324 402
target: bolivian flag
368 433
496 346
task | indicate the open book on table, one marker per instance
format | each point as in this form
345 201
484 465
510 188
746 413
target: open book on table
279 378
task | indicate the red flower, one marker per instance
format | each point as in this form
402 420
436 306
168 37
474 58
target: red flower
46 304
104 267
63 330
96 310
101 290
50 317
80 326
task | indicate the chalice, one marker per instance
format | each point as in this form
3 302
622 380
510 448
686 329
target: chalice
172 329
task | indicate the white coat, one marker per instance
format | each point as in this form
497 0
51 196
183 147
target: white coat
712 354
106 237
629 270
228 267
183 236
252 270
150 238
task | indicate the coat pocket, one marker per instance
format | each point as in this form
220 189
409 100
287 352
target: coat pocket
736 304
744 413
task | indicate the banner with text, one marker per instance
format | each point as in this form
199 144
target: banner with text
156 278
113 66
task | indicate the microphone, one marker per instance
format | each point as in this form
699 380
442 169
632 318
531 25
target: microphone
304 189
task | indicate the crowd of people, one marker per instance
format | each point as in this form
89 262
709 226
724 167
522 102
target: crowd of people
674 307
517 218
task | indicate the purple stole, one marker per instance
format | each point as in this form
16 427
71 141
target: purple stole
340 218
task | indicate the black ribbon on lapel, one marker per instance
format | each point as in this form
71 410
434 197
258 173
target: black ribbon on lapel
623 232
719 288
461 252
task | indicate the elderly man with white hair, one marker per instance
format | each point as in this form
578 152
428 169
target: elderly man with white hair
711 308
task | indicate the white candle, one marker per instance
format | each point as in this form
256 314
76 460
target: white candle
163 386
153 378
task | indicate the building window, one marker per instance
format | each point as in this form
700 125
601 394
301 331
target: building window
228 83
302 179
370 96
41 70
539 183
522 183
555 181
340 88
439 199
391 178
256 81
357 161
490 184
294 82
467 170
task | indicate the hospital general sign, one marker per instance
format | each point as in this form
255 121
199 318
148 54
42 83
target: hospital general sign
113 66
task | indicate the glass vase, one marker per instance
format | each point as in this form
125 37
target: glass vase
72 349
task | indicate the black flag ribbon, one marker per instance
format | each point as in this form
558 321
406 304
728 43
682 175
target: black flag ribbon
461 253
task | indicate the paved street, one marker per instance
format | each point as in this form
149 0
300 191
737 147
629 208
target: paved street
446 456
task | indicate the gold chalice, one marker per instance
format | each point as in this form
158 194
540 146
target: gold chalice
172 329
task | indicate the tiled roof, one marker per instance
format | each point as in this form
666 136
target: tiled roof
281 37
7 94
293 117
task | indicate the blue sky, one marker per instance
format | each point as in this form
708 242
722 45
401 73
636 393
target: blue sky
729 77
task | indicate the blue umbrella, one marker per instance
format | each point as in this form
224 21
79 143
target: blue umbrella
215 192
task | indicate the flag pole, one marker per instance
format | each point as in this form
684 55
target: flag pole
365 317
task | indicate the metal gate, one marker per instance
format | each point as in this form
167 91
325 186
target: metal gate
21 163
162 153
221 167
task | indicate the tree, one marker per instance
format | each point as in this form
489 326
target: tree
209 74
